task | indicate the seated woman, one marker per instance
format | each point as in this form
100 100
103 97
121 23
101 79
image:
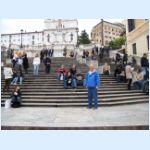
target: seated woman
106 69
16 97
69 81
139 82
61 72
118 70
73 70
121 77
80 81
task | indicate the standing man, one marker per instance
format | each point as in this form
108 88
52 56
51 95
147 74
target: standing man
92 83
145 66
47 63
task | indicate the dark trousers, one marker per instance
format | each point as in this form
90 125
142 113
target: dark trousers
129 84
7 84
92 97
47 69
16 101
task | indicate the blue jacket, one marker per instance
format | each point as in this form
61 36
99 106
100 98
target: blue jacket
92 80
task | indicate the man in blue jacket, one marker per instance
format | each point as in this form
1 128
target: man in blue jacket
92 83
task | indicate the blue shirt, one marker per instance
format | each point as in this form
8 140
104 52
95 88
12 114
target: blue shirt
92 79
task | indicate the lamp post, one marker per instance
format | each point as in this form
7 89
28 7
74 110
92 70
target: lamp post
21 46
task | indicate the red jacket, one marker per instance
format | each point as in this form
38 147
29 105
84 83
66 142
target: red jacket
64 70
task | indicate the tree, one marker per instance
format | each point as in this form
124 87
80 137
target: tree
83 38
117 43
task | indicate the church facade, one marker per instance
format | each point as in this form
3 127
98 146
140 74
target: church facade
57 34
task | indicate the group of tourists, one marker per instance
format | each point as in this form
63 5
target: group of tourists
13 75
126 72
72 54
73 78
96 53
46 53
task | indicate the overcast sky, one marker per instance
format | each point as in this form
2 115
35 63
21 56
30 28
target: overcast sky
15 25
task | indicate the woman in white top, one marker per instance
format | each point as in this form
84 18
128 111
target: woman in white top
7 75
129 74
36 63
139 79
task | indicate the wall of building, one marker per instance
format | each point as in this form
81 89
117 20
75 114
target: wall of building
61 33
138 36
109 32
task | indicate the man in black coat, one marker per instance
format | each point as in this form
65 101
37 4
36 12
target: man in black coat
145 65
25 63
47 63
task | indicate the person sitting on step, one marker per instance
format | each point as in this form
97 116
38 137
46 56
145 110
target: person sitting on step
16 97
121 77
139 82
106 69
61 72
73 70
80 80
117 70
69 80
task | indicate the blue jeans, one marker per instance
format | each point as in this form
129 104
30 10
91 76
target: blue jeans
14 80
92 97
58 76
35 69
79 83
138 85
73 83
146 71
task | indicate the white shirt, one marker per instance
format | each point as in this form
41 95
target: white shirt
8 73
36 61
129 71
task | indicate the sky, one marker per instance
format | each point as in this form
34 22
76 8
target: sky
28 25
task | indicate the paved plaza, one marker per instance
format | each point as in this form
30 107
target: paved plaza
130 115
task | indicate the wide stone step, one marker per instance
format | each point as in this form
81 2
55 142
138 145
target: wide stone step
101 104
71 92
48 96
68 90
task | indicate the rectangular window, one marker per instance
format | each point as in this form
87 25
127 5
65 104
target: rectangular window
148 42
131 25
134 48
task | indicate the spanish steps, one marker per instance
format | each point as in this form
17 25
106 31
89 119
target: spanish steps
45 91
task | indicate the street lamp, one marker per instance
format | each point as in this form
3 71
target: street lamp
21 46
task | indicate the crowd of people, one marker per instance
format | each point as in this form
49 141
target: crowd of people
73 77
96 53
13 74
127 71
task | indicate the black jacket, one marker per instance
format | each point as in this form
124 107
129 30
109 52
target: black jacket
47 61
25 63
144 62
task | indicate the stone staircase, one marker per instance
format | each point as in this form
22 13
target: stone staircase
46 91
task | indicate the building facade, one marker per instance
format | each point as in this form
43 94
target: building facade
104 32
137 31
57 34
